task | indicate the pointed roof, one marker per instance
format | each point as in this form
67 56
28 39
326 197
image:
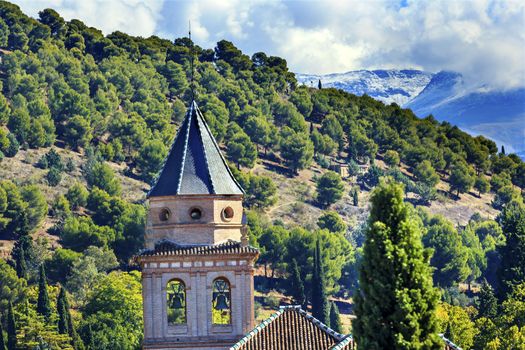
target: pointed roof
292 328
195 164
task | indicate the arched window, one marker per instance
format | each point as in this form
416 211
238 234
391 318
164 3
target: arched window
221 301
176 302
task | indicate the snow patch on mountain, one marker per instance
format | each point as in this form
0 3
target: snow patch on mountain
399 86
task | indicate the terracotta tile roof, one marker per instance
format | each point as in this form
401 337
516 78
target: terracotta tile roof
195 164
291 328
168 248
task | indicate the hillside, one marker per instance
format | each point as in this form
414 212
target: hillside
86 121
497 114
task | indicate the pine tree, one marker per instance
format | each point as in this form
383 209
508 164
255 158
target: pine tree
319 301
487 303
335 318
62 312
297 284
21 265
2 342
43 306
11 328
396 302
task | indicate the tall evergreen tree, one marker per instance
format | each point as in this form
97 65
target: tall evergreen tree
2 342
320 308
355 198
502 149
62 312
297 284
335 318
43 306
396 302
21 265
512 267
319 84
11 328
487 302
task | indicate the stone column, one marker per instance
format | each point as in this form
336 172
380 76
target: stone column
146 306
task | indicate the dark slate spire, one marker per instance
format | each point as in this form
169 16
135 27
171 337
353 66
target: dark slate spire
195 164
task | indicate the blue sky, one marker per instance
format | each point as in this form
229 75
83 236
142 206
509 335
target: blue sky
482 39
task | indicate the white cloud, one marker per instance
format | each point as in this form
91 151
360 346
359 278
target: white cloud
136 17
483 39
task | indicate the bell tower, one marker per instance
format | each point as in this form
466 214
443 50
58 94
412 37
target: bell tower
197 268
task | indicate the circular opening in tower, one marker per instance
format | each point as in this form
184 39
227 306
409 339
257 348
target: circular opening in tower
227 213
195 213
164 214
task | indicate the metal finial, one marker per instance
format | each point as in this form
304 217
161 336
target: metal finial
192 64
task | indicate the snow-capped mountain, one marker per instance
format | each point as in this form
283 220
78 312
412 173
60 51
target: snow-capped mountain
389 86
499 115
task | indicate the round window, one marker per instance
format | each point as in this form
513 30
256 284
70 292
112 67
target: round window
164 214
227 213
195 213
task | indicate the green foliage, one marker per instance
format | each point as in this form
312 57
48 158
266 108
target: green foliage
425 173
511 271
59 266
462 178
101 175
43 306
2 341
53 177
77 195
11 328
331 221
80 232
487 302
319 298
261 191
241 150
114 312
450 256
391 158
150 158
481 185
335 318
296 149
60 207
330 189
13 288
456 325
506 195
395 305
297 285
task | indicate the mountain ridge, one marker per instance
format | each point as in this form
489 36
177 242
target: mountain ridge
497 114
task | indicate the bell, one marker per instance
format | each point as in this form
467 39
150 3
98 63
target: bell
221 303
177 302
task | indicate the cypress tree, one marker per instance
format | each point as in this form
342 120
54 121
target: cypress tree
512 267
11 328
396 303
335 318
319 301
355 198
43 306
298 295
21 266
62 312
2 342
319 85
487 302
502 149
